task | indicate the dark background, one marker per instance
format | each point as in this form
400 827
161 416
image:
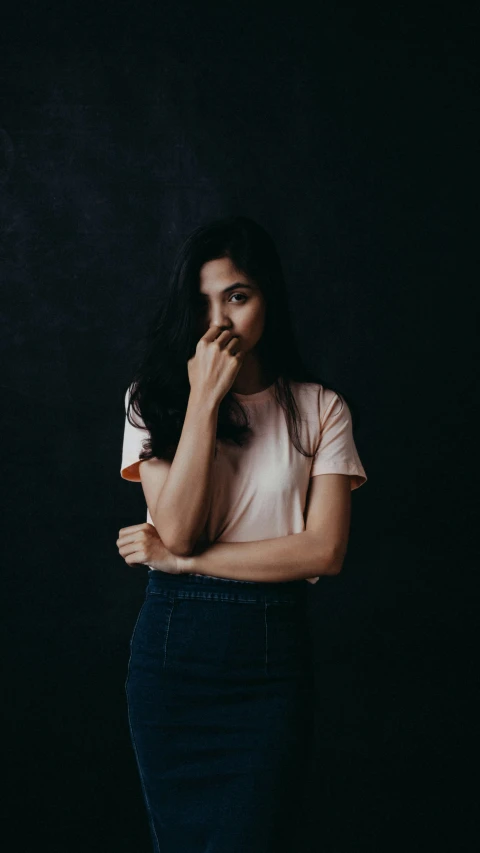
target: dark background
349 133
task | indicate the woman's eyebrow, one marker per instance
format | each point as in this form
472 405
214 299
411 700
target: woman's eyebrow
234 287
238 284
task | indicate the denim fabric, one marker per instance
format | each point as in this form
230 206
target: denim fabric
220 705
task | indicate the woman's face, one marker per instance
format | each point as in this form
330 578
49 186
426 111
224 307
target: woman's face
231 300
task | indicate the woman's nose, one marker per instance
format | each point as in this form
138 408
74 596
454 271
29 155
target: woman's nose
220 318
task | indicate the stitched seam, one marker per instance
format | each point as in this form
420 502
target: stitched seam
330 407
133 633
147 802
166 636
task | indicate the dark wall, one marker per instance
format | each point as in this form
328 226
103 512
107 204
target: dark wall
350 136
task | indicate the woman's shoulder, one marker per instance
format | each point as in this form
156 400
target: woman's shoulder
314 393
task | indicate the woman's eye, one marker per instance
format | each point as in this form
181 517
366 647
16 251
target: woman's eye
202 305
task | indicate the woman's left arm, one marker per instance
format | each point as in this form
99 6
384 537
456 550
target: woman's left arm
318 550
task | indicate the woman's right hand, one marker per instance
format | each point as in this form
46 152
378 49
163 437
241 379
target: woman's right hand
213 368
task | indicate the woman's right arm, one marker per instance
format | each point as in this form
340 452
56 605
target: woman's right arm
180 507
179 493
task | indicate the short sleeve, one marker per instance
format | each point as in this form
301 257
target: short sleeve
336 452
133 438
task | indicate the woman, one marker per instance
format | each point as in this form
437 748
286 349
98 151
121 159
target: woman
228 433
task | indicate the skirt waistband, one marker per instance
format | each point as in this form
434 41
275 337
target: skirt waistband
192 585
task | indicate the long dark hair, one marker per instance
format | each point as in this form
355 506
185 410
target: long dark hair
160 387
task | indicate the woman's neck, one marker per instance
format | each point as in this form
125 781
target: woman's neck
252 378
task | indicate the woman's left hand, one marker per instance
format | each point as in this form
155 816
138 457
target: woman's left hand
140 544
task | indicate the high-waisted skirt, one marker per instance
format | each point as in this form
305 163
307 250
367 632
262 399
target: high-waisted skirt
220 701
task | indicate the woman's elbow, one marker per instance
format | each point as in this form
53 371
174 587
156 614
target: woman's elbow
177 545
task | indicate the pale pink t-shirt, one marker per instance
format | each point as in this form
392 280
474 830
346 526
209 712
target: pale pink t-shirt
260 489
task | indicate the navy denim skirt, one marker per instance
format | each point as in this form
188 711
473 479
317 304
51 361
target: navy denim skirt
220 702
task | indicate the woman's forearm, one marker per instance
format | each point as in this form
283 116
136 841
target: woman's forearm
184 502
285 558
